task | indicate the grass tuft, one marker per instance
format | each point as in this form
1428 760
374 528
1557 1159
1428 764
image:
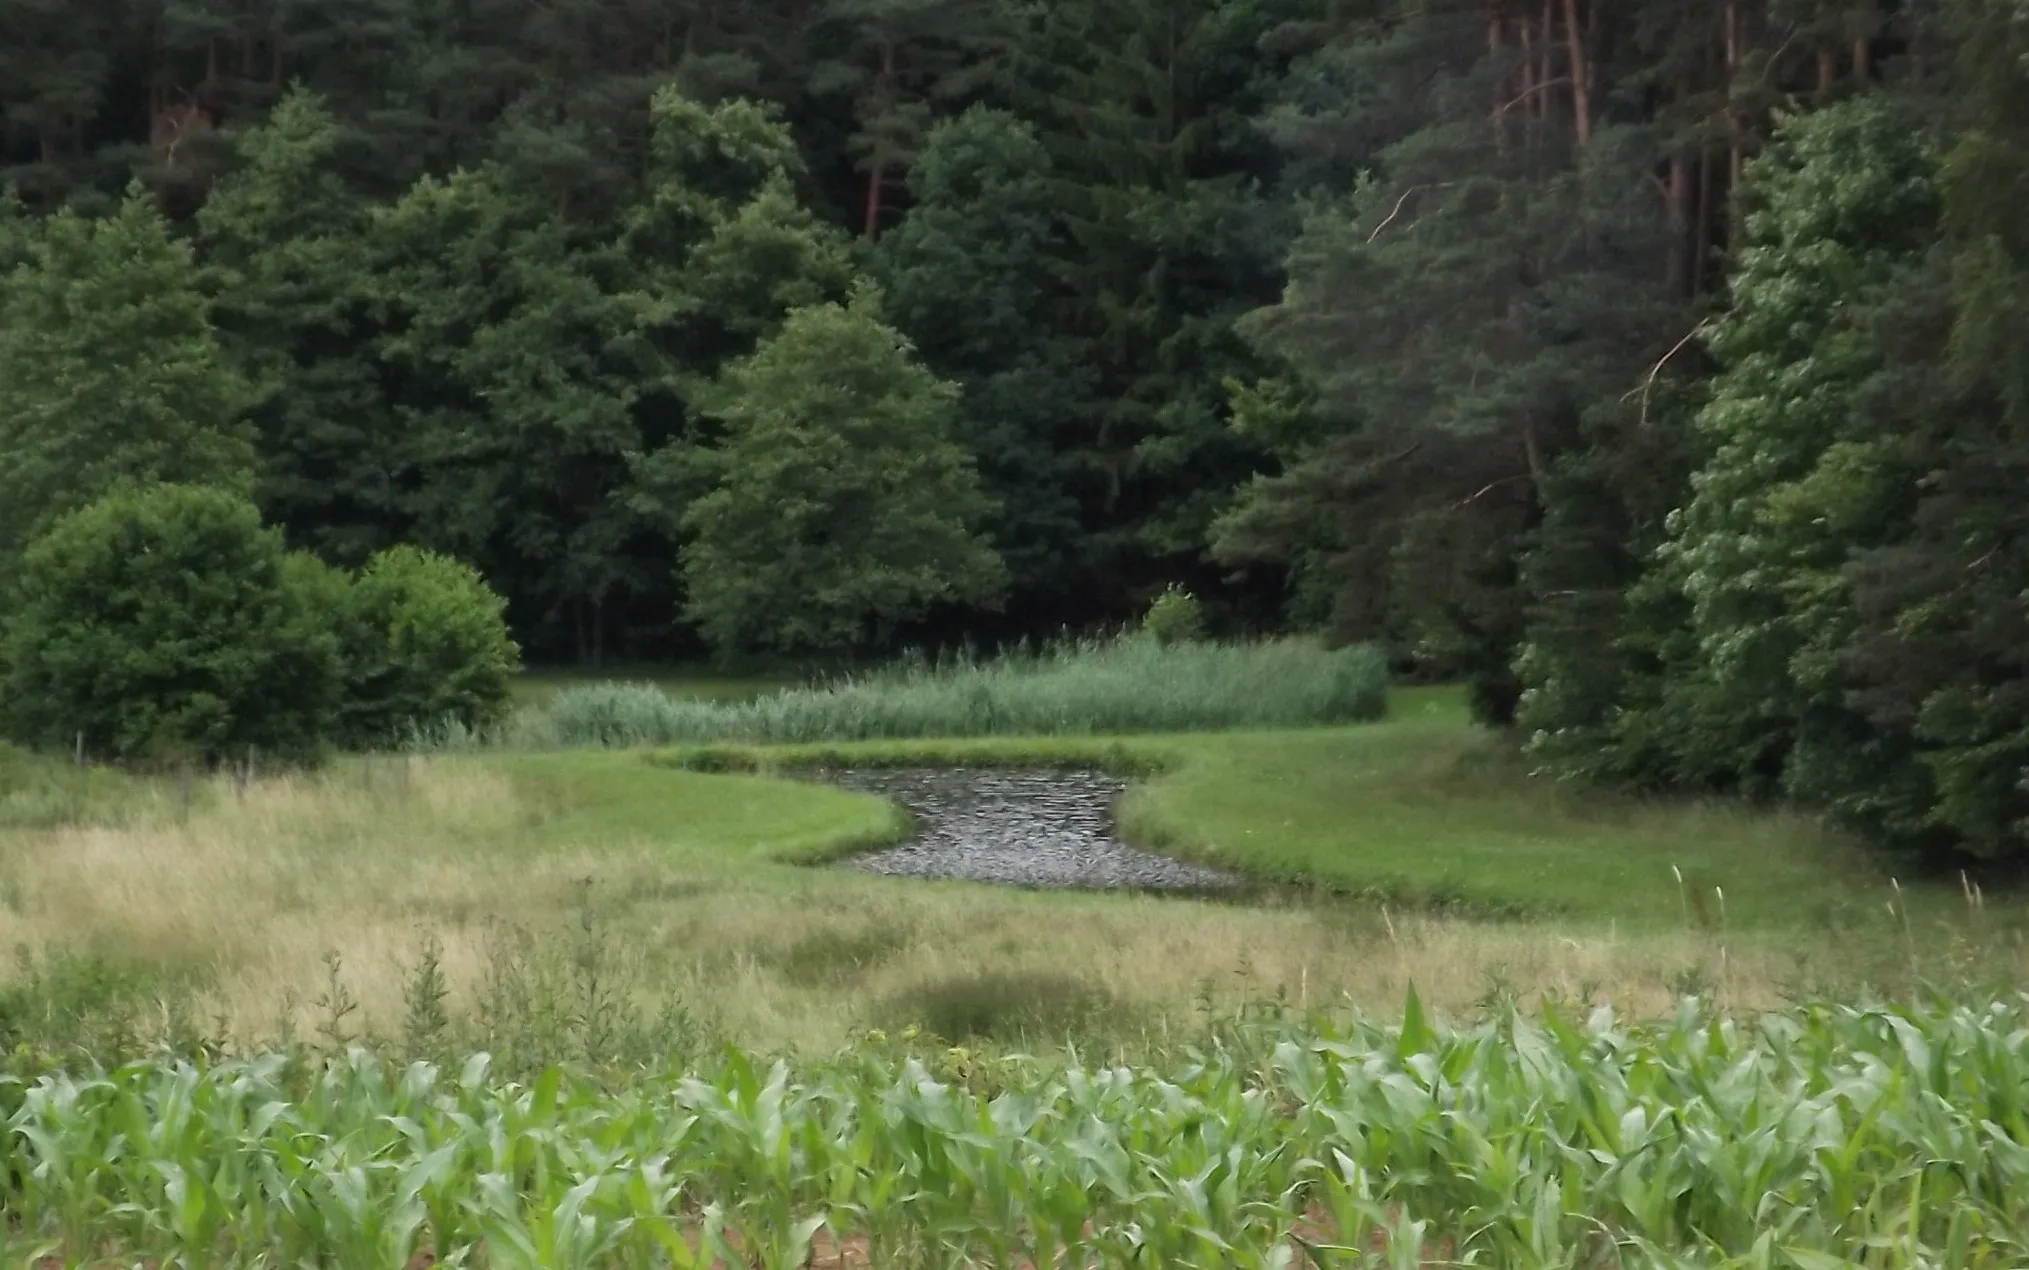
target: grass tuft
1008 1007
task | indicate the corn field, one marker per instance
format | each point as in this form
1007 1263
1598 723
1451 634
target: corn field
1824 1137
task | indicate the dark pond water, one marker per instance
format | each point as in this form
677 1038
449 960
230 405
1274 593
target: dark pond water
1017 828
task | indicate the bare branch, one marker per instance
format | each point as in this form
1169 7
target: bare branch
1531 91
1389 219
1489 488
1649 382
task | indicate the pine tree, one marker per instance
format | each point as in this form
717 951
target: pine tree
1145 108
972 277
897 60
113 372
1468 317
285 245
56 69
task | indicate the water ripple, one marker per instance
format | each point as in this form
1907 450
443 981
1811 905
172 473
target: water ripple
1016 827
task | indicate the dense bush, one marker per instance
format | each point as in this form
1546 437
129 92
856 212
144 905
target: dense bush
425 640
165 623
168 624
1128 685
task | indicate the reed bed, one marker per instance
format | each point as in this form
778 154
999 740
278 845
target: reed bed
1094 687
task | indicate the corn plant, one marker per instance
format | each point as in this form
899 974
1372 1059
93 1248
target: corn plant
1831 1136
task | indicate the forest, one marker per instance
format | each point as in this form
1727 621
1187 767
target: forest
1656 367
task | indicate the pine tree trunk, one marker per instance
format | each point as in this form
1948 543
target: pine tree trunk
1701 228
877 168
1681 228
1546 68
1532 453
1495 21
1581 74
1736 158
877 176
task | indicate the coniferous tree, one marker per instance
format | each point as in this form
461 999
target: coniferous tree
113 373
285 245
1146 109
896 60
1943 622
1467 319
972 277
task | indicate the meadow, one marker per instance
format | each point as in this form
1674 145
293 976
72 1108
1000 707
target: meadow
620 904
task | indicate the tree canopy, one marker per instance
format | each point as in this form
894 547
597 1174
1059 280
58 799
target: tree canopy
1654 367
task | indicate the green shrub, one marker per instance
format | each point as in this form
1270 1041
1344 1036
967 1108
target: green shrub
426 642
1176 617
167 623
1082 689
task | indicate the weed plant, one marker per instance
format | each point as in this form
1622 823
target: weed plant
1133 684
1854 1136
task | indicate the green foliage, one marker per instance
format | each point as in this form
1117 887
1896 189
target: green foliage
1130 685
1146 109
1175 617
425 643
972 278
896 60
163 623
842 507
285 250
1457 323
1793 480
1518 1142
112 371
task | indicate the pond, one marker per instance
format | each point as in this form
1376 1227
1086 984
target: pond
1017 827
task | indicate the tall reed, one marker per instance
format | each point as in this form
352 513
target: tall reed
1126 685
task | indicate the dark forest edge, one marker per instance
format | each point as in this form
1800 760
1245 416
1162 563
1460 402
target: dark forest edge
1654 367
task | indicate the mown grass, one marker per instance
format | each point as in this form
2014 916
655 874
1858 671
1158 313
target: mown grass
1125 685
1417 852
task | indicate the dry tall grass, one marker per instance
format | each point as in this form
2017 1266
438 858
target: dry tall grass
248 895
